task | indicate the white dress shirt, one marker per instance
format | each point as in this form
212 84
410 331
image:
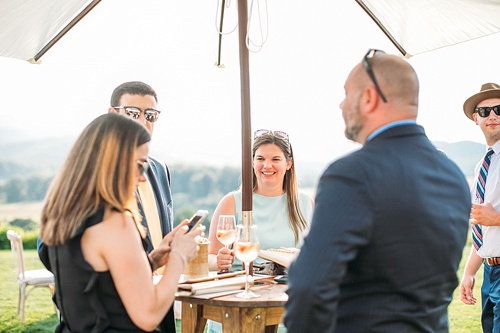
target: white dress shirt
491 235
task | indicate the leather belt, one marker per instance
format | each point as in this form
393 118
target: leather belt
493 261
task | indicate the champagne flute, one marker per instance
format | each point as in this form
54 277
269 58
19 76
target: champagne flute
226 233
247 249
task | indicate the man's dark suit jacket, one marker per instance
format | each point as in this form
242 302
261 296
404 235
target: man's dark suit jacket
159 178
386 238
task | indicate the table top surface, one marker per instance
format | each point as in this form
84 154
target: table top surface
270 295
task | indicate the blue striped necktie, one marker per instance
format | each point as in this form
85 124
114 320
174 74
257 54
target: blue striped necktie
477 234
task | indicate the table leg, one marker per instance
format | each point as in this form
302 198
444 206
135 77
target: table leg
271 329
243 320
192 320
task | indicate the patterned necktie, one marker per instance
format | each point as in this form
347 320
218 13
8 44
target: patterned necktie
477 234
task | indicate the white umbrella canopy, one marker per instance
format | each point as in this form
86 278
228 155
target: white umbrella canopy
29 28
417 26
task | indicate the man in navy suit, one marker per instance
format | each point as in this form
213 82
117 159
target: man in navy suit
390 220
138 100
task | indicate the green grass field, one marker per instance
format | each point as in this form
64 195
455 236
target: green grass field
40 315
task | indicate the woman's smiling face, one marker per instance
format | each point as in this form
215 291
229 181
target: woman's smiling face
270 165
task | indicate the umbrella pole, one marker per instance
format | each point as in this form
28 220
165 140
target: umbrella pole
246 124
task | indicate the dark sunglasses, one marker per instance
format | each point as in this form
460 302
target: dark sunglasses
143 166
366 62
484 111
151 115
278 134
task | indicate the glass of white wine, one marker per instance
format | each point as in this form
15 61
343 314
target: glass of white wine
226 232
247 249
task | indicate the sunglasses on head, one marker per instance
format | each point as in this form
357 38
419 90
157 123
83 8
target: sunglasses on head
151 115
369 70
484 111
143 166
278 134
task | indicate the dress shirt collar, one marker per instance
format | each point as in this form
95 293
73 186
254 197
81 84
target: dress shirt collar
495 147
391 125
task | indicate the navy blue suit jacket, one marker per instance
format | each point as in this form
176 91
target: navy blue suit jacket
387 234
159 178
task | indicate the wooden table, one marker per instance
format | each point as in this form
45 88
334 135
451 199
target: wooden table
261 314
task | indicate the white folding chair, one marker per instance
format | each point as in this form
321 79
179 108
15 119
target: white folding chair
28 280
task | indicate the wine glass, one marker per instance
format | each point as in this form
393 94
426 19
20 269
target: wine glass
477 200
247 249
226 232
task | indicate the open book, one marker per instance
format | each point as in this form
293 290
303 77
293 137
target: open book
282 256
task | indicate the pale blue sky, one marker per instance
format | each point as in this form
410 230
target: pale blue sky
296 79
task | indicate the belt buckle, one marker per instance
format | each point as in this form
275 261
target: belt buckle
494 261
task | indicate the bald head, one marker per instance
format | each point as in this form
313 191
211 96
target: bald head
397 79
364 109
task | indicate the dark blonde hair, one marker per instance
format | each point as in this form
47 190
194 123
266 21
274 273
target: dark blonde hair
98 172
290 185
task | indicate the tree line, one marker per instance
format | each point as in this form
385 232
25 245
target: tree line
193 188
189 183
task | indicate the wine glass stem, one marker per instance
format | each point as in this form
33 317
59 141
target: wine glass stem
225 270
247 266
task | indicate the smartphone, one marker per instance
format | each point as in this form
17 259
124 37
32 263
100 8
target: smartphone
197 219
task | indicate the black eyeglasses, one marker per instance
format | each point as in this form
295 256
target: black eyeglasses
366 62
151 115
278 134
143 166
484 111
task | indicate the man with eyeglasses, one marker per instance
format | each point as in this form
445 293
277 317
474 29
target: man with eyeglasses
484 109
390 219
138 100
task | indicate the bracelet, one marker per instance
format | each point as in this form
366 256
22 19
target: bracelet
181 256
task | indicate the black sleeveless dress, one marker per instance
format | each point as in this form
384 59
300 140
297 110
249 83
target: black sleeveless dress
87 299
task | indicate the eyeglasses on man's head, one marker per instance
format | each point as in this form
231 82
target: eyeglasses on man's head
484 111
366 63
279 134
151 115
143 166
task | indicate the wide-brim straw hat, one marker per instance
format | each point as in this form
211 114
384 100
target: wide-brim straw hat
488 90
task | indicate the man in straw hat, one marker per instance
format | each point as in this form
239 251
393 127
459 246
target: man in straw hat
484 109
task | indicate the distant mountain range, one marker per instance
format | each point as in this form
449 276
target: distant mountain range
43 156
466 154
